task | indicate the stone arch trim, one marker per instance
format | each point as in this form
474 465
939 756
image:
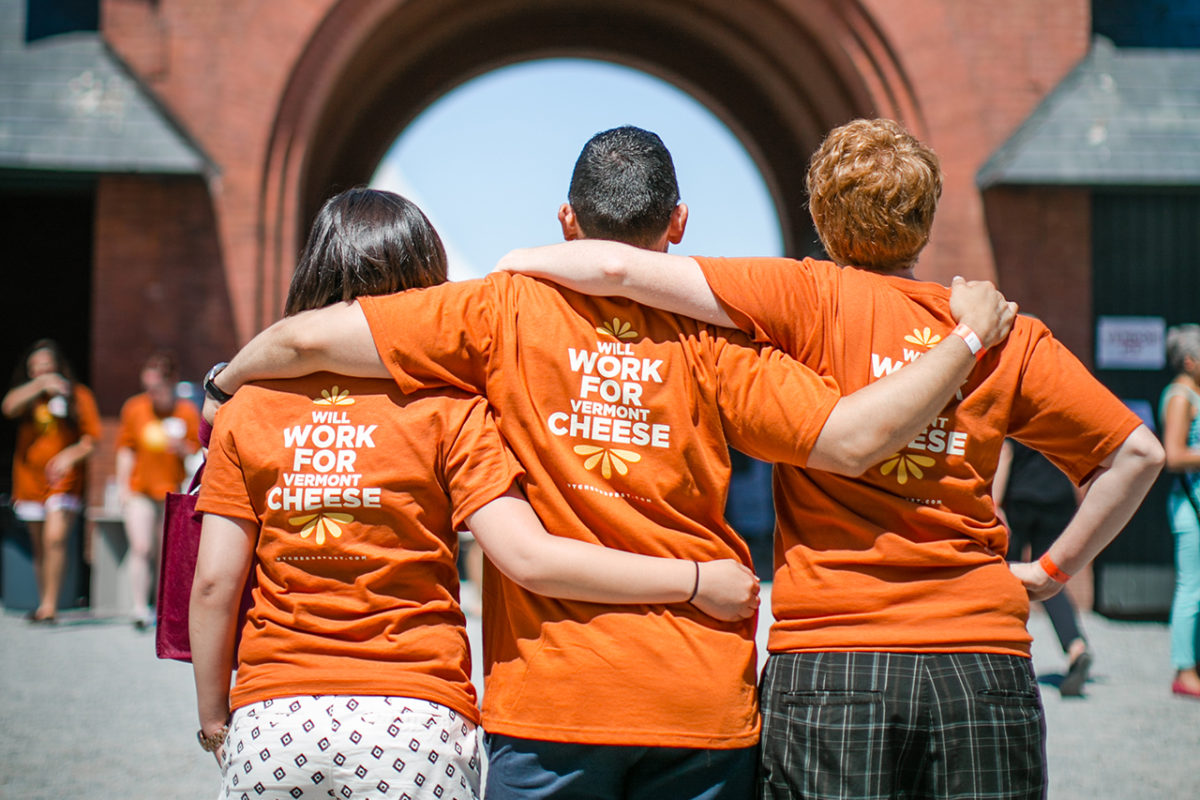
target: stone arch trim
779 73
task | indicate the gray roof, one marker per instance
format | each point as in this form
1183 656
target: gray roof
69 104
1122 117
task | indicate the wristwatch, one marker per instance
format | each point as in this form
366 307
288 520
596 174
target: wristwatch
211 742
210 385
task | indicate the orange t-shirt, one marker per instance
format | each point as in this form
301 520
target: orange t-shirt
622 417
157 467
41 436
357 491
910 557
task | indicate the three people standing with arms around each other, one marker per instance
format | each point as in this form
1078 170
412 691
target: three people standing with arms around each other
158 431
58 427
622 418
345 496
899 654
1179 414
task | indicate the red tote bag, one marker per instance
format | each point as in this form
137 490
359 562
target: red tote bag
177 570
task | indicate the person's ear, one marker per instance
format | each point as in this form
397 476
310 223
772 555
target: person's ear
678 223
570 224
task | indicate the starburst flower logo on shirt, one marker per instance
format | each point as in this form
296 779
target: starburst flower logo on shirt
904 464
925 338
618 329
335 397
606 458
330 522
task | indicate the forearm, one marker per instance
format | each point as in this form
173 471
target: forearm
225 554
591 266
1180 458
1109 501
80 451
335 339
516 543
881 418
20 398
212 625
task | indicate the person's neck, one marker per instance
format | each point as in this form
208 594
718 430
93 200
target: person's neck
907 272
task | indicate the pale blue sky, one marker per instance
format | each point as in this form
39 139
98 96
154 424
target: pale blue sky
491 161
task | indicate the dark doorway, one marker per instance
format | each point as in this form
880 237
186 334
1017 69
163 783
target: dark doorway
1146 255
47 235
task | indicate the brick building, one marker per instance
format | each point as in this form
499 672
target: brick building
215 130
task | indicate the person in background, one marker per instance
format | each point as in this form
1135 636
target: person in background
353 672
1036 501
1179 413
158 431
58 426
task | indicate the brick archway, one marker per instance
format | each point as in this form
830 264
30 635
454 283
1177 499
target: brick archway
779 75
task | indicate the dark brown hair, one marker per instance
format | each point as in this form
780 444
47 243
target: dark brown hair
365 242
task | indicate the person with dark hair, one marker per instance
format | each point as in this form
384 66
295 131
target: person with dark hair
158 431
1179 413
344 495
622 418
899 659
58 426
623 188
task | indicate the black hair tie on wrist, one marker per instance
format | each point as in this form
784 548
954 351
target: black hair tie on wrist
696 585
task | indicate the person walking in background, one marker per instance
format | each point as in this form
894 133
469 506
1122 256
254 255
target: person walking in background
58 426
353 673
1036 501
158 431
1179 413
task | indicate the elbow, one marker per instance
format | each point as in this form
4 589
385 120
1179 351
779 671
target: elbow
212 591
530 576
1145 452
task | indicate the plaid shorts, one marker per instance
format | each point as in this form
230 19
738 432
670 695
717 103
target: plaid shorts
874 726
347 747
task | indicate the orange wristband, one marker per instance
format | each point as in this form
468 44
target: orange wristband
974 343
1056 574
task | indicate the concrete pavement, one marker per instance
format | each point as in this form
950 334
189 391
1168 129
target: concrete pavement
88 712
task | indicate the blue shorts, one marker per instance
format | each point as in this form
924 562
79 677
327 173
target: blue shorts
530 769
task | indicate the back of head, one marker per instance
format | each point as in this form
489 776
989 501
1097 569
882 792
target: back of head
365 242
1183 341
873 189
624 187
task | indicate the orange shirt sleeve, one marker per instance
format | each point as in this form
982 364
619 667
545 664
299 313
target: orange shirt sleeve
1064 412
127 435
223 489
772 407
479 467
88 413
440 336
751 291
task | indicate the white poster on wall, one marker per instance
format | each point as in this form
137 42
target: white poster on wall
1131 343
